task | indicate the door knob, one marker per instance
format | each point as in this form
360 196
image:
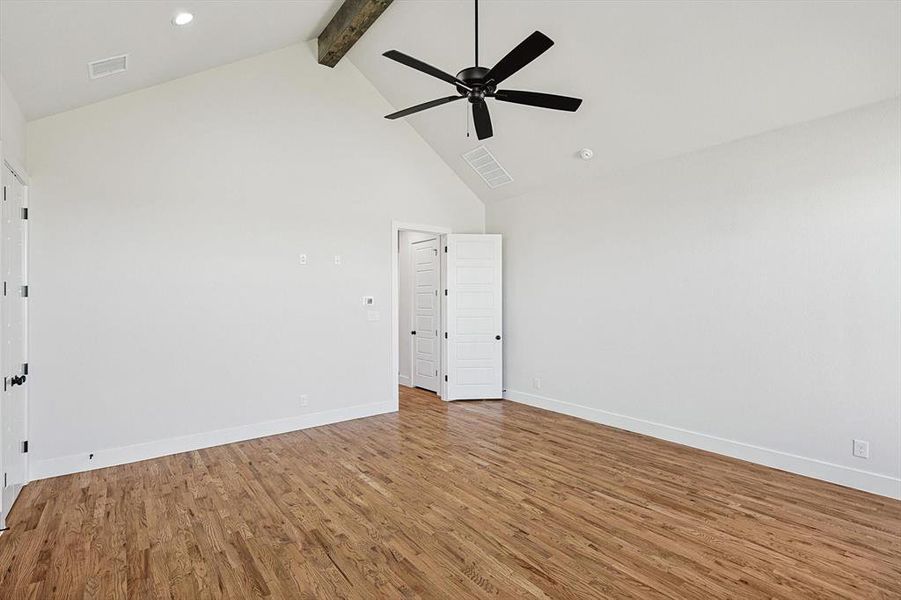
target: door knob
17 380
413 332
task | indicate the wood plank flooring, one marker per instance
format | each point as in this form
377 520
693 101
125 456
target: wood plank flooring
463 500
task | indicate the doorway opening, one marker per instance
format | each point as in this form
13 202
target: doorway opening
418 308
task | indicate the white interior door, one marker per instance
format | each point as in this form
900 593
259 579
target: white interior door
13 429
426 314
474 317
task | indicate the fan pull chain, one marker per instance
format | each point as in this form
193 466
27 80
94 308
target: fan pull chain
467 120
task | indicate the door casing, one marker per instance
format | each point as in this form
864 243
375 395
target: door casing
394 374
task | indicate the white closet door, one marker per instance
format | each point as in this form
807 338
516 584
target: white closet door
12 335
474 317
426 314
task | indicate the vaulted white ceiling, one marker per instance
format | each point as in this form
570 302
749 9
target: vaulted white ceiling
45 45
658 78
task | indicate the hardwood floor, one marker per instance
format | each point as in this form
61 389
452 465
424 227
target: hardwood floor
461 500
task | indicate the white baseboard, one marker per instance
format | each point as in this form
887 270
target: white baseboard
884 485
76 463
405 380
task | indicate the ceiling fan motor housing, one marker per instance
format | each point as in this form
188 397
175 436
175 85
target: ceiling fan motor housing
474 77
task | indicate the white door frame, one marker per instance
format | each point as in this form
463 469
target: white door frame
393 359
22 175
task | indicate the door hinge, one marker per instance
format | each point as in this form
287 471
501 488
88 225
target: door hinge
25 214
445 291
24 368
4 288
445 249
24 291
25 446
436 373
436 251
4 480
445 378
445 335
5 380
4 193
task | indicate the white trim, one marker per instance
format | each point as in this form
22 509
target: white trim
76 463
404 380
393 358
876 483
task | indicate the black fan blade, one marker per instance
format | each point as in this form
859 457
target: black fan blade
538 99
423 106
482 120
425 68
528 50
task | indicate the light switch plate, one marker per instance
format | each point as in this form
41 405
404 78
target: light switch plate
303 259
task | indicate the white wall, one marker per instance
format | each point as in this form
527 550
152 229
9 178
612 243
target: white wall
12 126
405 301
744 299
168 299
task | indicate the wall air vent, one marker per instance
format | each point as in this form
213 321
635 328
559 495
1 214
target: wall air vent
484 163
108 66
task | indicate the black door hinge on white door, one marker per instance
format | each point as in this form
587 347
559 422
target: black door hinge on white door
24 291
25 214
25 446
24 368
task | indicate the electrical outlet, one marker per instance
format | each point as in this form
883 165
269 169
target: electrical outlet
536 383
337 259
861 449
303 259
304 401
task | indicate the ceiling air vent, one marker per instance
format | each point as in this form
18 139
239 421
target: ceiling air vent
484 163
108 66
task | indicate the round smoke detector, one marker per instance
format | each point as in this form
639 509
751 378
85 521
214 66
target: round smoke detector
586 154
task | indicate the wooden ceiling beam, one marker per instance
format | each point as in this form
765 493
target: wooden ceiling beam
347 26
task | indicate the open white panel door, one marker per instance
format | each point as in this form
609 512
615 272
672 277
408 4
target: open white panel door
474 366
13 414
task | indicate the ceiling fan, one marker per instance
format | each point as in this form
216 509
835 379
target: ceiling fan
477 84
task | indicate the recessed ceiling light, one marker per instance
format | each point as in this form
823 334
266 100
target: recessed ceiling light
182 18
